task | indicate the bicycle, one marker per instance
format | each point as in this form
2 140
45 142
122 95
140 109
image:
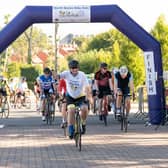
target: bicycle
5 107
78 129
49 109
124 116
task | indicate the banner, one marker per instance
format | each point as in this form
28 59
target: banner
150 73
71 14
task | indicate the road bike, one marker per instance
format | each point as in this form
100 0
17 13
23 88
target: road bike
49 108
124 115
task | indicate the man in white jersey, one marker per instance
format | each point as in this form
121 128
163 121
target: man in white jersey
78 91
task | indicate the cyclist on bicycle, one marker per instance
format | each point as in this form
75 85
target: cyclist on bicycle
47 86
78 90
123 84
21 90
4 89
104 88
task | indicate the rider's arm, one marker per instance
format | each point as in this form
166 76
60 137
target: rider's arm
115 85
131 83
110 84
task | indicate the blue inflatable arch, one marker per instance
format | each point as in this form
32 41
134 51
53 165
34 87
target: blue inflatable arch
105 13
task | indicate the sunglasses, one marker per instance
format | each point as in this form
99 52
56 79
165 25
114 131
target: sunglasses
105 68
74 67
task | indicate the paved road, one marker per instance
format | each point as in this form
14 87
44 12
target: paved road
26 142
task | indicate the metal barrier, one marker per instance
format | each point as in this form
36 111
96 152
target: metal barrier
142 95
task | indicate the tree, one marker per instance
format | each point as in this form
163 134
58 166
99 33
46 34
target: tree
160 32
28 35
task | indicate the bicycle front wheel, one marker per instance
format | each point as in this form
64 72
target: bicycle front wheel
78 139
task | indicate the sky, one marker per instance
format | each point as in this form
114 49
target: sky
144 12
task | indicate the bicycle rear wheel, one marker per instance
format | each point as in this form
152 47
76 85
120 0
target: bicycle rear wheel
122 118
125 124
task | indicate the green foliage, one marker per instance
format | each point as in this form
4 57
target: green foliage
160 32
31 73
113 48
13 70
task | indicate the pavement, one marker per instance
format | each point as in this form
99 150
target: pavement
27 142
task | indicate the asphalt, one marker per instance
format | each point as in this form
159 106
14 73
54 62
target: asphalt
27 142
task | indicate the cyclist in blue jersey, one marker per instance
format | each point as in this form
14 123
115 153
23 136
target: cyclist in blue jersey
47 86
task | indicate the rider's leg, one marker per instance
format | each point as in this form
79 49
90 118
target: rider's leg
118 102
43 109
84 114
128 105
100 103
71 119
64 114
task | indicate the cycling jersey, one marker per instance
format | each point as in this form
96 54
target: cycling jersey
103 78
123 82
75 84
62 87
46 82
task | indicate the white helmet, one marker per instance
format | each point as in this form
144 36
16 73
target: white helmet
123 70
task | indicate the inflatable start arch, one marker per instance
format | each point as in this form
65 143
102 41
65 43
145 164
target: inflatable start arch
105 13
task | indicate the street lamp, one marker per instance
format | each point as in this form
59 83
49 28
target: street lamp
56 47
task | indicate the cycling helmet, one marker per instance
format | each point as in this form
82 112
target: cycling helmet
123 70
103 65
47 70
73 64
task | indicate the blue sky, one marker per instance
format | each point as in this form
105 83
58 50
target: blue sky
144 12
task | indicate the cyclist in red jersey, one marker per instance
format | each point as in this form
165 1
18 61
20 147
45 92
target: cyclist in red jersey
62 101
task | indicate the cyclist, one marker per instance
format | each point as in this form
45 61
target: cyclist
123 84
62 101
4 89
21 90
47 86
104 88
78 90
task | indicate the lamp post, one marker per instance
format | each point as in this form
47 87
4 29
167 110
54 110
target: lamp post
56 47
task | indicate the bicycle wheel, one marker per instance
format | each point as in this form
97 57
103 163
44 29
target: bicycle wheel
78 132
95 106
52 109
122 118
125 124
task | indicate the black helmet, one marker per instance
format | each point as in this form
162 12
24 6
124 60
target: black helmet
103 65
47 70
73 64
